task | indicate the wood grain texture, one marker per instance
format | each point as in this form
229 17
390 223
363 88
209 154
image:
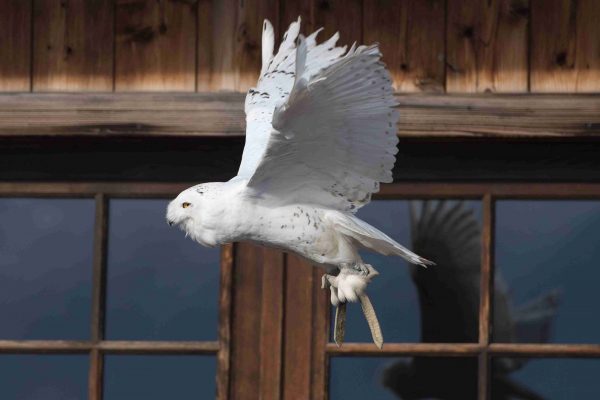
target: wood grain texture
404 349
246 325
464 349
298 317
343 16
229 42
107 115
15 45
221 114
319 369
486 292
95 378
487 46
411 38
225 309
565 46
95 375
257 323
408 190
110 346
155 45
271 324
289 11
73 45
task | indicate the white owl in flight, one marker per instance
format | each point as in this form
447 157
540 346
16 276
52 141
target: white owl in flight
320 137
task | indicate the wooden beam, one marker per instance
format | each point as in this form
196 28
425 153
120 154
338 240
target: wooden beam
110 346
405 349
222 114
465 350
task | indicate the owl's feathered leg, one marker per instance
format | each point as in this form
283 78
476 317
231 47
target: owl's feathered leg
349 285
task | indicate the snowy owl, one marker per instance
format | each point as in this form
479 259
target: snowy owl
320 137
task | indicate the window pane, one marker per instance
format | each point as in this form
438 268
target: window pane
46 251
435 304
546 271
406 378
159 377
36 377
556 379
161 285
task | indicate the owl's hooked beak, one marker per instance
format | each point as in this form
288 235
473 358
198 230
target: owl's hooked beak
170 222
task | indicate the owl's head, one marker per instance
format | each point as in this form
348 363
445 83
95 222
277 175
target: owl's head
186 210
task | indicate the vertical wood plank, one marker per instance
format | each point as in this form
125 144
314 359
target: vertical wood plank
98 295
229 42
411 37
486 285
487 46
73 45
257 323
271 317
245 333
225 308
320 337
565 46
15 45
155 45
96 372
298 318
206 54
343 16
291 10
248 44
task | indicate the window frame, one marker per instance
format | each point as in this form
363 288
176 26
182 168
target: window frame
488 193
97 346
484 349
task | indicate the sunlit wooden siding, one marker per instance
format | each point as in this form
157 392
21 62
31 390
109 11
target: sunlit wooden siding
204 45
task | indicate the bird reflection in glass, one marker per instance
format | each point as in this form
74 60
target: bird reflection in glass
449 233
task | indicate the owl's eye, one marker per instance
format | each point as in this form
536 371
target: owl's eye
186 205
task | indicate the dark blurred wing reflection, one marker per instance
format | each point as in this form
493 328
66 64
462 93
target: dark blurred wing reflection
449 234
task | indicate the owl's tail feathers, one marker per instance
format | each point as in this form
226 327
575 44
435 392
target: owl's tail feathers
372 238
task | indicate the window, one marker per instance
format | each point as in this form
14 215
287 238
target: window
270 332
534 299
92 274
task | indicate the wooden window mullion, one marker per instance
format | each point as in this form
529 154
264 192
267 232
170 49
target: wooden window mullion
486 293
98 296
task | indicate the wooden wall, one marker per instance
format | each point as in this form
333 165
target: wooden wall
204 45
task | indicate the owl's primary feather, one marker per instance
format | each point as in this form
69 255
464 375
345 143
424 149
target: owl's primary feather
320 137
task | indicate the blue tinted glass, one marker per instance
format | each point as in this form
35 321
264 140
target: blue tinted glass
556 379
43 377
46 252
159 377
161 285
437 304
358 378
546 271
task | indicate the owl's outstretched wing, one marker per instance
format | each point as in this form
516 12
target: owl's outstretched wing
320 124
